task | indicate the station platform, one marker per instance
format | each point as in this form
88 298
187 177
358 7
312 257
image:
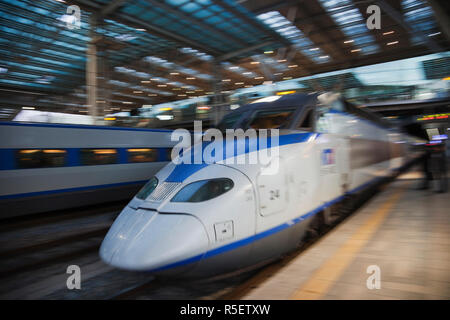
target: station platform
402 232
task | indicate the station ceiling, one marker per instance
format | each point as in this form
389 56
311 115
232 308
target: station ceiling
153 51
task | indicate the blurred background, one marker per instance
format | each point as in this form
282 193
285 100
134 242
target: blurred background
154 63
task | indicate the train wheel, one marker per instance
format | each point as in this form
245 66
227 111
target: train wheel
346 206
316 227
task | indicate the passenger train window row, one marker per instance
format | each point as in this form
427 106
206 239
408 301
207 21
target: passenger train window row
90 157
40 158
53 158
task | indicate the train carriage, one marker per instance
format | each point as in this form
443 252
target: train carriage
46 167
196 220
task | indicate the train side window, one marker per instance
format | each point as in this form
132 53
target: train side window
98 156
142 155
41 158
307 121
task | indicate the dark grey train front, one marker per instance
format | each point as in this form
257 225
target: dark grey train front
198 220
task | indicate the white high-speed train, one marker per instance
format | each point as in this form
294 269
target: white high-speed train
198 220
47 167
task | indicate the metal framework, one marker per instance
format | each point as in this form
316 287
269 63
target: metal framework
152 51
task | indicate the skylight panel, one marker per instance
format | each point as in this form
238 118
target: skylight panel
135 73
25 75
31 67
176 83
158 61
165 93
193 73
68 45
63 54
45 79
352 24
160 79
118 83
21 83
239 70
419 16
144 75
125 37
54 62
284 27
200 55
173 66
274 64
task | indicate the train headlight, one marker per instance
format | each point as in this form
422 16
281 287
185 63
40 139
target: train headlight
147 189
203 190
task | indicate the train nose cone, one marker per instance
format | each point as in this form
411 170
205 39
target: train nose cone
145 240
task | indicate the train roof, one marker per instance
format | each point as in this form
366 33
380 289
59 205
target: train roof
301 100
289 100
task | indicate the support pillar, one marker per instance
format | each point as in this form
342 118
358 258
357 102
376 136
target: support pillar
92 71
217 89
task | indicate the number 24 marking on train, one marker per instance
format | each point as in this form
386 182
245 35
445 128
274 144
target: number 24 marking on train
274 194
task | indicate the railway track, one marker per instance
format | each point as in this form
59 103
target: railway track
38 219
53 254
51 243
28 258
133 290
37 241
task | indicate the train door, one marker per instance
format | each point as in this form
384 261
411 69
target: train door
272 188
343 162
273 200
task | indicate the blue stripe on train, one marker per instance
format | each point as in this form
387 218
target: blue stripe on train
261 235
49 192
184 170
73 126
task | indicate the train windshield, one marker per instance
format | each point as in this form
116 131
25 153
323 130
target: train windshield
271 119
262 119
229 121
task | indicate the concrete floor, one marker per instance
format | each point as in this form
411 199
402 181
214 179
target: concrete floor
403 231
